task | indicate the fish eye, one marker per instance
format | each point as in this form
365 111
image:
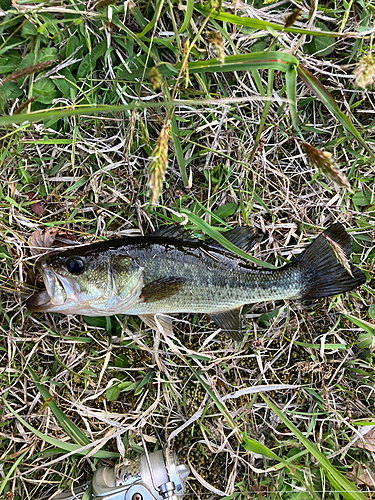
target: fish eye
75 265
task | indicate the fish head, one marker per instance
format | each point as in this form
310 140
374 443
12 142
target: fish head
89 283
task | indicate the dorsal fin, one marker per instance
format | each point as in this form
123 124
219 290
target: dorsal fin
243 237
173 232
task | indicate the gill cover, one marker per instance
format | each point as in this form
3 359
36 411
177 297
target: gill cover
91 285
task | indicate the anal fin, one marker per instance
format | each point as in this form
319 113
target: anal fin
230 322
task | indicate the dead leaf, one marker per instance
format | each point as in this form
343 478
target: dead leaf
36 207
362 475
369 441
42 240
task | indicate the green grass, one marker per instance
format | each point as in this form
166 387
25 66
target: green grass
86 90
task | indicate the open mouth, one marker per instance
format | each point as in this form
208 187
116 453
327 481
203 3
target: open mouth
54 294
39 302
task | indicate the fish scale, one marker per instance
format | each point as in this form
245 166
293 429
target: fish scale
214 281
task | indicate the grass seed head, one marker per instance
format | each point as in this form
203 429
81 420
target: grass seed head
216 40
29 70
130 133
322 161
103 3
158 165
365 71
144 132
185 52
292 18
214 4
339 253
155 78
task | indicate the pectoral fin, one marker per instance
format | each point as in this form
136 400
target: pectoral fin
160 322
230 322
162 288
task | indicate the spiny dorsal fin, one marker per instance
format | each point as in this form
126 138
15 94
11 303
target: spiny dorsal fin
177 232
163 288
243 237
230 322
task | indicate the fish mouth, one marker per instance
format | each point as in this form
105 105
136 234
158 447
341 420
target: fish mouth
56 292
39 302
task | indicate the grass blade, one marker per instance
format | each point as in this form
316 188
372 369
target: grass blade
345 487
178 150
188 15
326 98
260 25
263 118
61 446
9 474
94 110
365 325
291 82
278 61
70 428
151 24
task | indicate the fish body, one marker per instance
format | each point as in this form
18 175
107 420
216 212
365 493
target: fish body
165 274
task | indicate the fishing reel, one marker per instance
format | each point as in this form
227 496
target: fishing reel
152 476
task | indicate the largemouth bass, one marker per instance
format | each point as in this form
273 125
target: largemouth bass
166 273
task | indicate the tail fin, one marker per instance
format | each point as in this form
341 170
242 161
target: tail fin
322 273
